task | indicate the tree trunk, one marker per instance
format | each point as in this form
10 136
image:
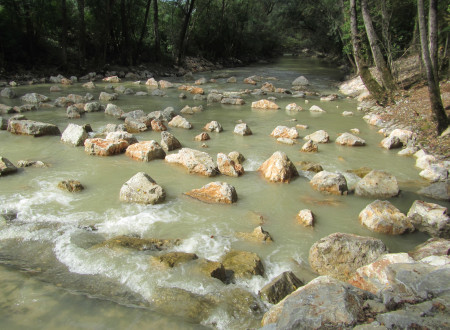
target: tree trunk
385 23
181 43
126 51
380 63
82 32
433 84
144 29
433 37
29 30
64 33
372 85
156 30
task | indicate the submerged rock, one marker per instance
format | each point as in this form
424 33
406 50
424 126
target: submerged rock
330 183
6 167
377 184
242 264
140 244
172 259
195 161
215 192
340 255
278 168
141 188
257 235
70 185
439 190
383 217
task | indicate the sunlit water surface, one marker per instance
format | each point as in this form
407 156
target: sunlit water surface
52 277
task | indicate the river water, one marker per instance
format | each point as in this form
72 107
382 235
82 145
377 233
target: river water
52 277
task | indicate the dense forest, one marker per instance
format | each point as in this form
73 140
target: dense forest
73 34
78 35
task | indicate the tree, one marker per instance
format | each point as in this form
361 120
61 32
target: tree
156 30
187 13
81 32
363 70
64 33
426 43
380 63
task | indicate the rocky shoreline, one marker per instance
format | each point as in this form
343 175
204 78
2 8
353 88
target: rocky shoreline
359 284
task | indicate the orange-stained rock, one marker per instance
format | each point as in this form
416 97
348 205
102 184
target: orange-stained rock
158 125
249 81
265 104
145 151
192 89
202 137
374 277
278 168
228 167
215 192
103 147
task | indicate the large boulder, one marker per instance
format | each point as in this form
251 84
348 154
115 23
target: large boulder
169 142
430 218
300 81
8 93
284 132
179 121
34 98
215 192
172 259
377 184
6 167
373 277
139 244
329 183
242 129
106 97
74 135
158 126
383 217
439 190
227 166
279 287
242 264
114 110
142 189
434 173
351 140
340 255
121 135
93 106
323 303
432 247
104 147
145 151
34 128
195 161
265 104
319 136
278 168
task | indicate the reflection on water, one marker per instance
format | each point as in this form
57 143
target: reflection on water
74 285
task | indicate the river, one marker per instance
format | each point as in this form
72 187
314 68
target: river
52 277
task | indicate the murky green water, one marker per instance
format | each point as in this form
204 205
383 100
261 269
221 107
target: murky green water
51 277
